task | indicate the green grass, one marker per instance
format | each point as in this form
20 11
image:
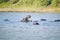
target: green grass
31 4
5 5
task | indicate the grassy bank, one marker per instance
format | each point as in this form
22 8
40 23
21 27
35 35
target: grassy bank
30 5
30 9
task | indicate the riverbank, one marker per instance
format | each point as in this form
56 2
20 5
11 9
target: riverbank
27 9
30 6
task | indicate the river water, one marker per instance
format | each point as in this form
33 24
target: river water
13 29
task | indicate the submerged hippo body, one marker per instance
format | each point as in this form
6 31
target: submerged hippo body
6 19
35 23
57 20
43 19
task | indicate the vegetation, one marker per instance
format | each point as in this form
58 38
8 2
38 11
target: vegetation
29 3
1 1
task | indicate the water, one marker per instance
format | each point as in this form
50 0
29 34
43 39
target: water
13 29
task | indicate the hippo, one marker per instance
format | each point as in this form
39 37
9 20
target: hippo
43 19
26 19
35 23
57 20
6 20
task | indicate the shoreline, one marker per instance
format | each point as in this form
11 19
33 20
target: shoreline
29 10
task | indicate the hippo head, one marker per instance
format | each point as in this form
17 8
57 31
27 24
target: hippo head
28 16
35 23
